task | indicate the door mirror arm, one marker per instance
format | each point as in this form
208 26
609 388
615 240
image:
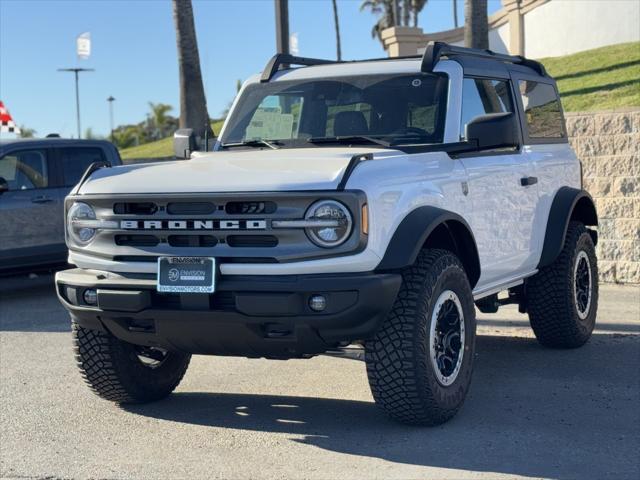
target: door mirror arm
184 142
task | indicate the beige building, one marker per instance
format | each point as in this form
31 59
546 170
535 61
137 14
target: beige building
537 28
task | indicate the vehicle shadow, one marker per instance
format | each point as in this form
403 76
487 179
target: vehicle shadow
531 411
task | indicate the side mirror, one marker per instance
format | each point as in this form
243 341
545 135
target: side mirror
495 130
4 186
184 142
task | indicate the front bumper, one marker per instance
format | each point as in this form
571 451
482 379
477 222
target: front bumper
251 316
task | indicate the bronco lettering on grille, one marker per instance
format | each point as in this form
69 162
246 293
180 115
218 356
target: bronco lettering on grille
193 224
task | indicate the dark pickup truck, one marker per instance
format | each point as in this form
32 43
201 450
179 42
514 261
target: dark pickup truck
35 177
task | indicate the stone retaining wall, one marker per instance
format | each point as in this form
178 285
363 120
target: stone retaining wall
608 143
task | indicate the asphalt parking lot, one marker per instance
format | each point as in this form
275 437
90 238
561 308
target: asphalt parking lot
532 412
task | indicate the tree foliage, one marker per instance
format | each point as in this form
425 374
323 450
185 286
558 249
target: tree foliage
407 12
26 132
158 124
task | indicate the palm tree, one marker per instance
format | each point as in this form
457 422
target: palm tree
476 27
393 13
337 24
385 9
193 104
159 118
416 8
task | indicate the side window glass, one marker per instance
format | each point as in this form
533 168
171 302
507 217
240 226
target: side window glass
75 162
542 109
25 170
483 96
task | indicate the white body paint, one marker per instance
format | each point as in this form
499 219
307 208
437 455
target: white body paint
507 219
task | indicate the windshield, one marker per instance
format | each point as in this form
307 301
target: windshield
408 108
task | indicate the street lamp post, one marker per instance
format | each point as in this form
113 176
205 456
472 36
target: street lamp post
111 100
76 71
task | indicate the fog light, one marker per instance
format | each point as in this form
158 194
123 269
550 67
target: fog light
90 297
318 303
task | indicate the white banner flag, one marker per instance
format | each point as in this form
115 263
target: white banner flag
293 44
83 45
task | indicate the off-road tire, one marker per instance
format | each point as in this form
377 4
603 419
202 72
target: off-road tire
551 302
401 375
113 370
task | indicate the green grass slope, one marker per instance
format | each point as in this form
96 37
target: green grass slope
160 149
600 79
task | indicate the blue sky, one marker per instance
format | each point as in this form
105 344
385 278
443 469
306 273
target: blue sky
134 52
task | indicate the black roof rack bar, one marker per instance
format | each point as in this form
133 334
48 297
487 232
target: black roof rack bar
281 59
432 54
285 60
436 50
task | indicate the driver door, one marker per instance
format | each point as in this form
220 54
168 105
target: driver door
503 207
31 223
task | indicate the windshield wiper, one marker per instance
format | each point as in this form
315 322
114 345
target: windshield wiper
349 139
273 144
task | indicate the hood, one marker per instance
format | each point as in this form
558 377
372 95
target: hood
232 171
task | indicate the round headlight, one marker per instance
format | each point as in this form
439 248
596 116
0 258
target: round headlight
333 223
77 214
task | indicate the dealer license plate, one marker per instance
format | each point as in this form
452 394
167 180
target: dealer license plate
187 274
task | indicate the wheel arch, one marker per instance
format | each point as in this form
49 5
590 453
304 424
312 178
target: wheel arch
432 227
569 204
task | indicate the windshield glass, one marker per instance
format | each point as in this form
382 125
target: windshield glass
398 109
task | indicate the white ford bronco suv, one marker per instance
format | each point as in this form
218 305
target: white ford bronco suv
373 201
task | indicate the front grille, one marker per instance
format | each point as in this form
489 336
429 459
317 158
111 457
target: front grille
137 240
232 227
250 208
264 241
192 240
191 208
135 208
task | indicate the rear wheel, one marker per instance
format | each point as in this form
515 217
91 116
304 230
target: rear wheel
125 373
562 298
420 361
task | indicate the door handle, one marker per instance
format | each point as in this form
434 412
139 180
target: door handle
41 199
526 181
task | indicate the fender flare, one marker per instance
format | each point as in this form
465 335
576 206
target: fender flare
414 231
568 204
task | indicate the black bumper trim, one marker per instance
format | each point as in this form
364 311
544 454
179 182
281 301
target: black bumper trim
253 316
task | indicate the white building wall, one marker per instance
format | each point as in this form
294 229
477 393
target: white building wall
499 39
561 27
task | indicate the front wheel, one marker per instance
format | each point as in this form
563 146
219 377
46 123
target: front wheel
562 298
125 373
420 361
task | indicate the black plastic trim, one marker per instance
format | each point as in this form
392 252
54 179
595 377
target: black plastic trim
351 166
568 203
436 50
258 316
89 171
413 232
281 59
